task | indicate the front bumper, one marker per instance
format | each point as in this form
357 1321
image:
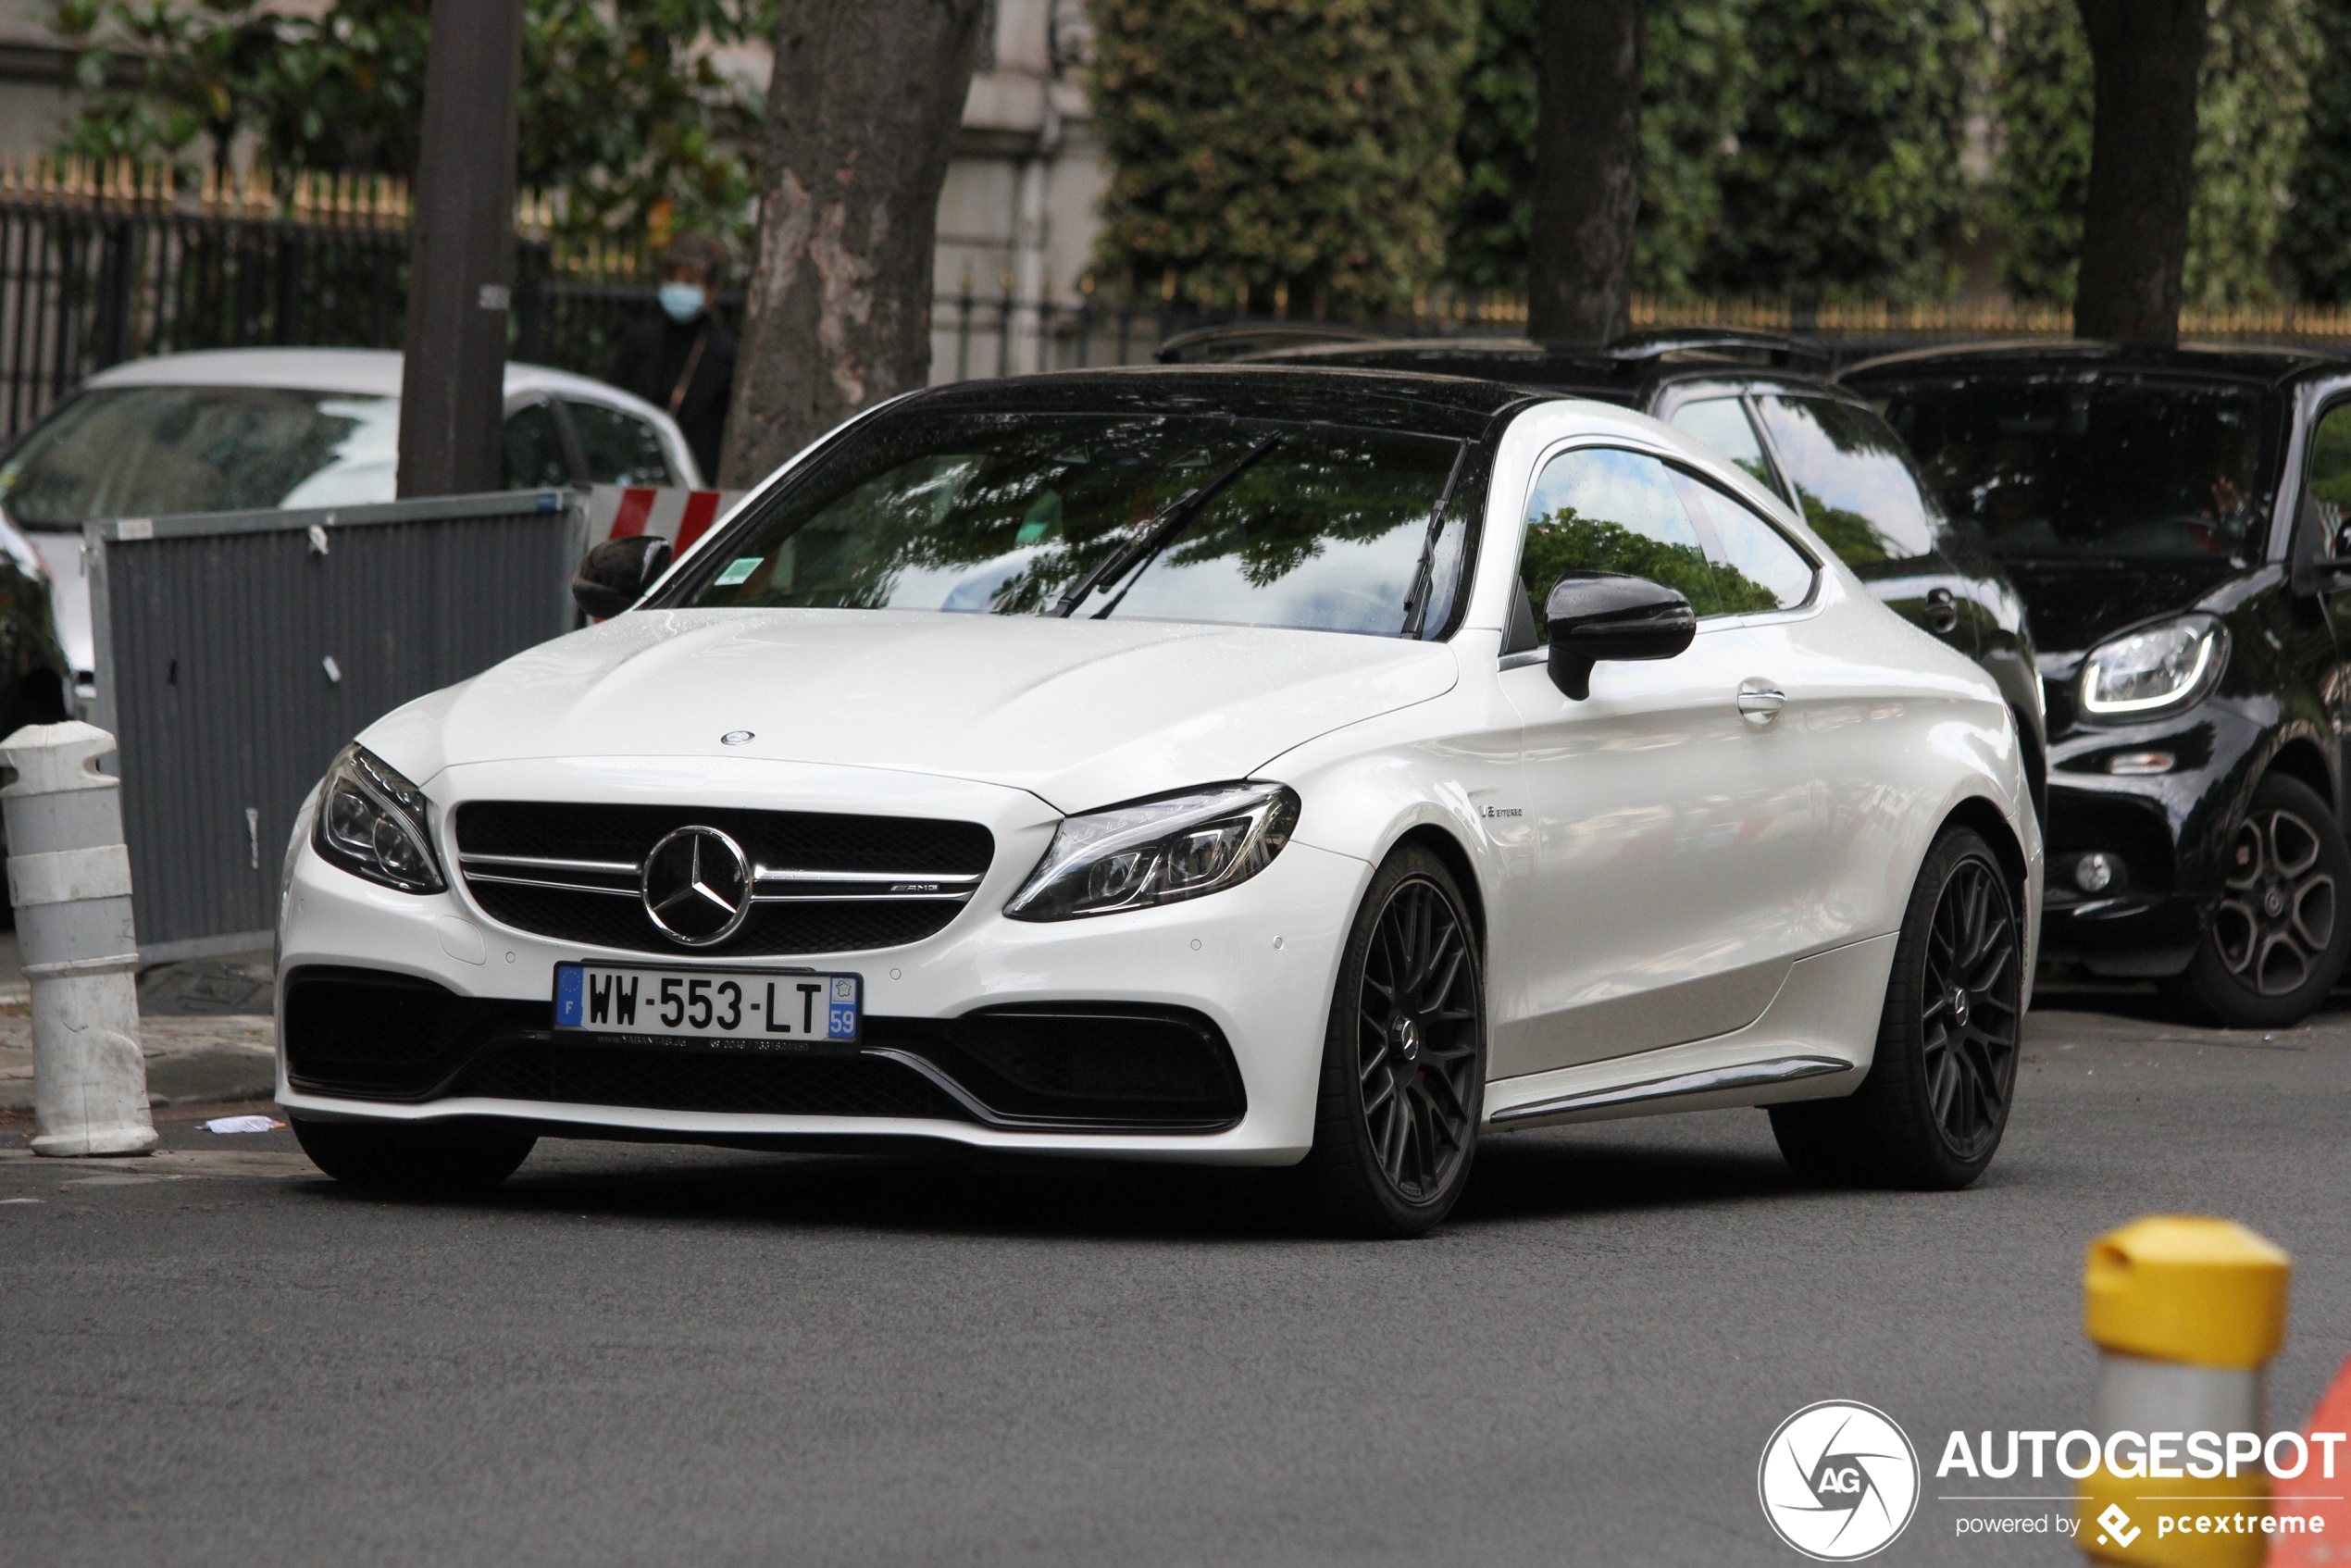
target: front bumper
994 1033
2170 831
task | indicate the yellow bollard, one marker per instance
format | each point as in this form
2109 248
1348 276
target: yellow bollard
2185 1312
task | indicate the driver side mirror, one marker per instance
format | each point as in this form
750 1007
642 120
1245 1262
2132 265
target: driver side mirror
615 574
1595 616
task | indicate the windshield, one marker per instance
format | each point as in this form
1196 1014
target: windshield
2066 465
1239 522
158 452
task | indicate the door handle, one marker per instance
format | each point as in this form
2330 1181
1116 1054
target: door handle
1942 614
1761 702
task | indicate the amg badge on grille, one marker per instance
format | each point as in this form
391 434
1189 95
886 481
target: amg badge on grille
697 885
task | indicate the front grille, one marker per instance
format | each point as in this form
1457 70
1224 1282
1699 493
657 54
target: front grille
825 882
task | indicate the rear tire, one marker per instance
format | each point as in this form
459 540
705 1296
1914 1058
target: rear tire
2275 946
431 1159
1931 1110
1403 1084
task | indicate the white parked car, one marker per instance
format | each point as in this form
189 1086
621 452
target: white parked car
242 430
1245 766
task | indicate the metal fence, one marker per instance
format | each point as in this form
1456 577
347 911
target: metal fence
238 651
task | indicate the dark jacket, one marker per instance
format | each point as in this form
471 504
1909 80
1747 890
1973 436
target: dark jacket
653 361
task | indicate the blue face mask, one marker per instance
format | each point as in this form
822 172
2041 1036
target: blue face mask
682 301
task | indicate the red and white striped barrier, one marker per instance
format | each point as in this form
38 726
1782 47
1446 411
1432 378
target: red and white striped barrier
2318 1497
681 517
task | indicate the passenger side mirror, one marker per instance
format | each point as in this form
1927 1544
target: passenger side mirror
1595 616
615 574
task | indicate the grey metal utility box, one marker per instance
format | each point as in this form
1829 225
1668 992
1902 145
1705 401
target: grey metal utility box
238 651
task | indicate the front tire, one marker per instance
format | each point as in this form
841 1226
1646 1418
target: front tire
417 1161
1931 1114
2275 946
1403 1084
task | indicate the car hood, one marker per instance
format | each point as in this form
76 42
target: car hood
1081 713
2073 606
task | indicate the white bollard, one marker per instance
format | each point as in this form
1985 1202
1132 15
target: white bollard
70 879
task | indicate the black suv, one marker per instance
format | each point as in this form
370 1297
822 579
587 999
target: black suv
2175 521
1749 396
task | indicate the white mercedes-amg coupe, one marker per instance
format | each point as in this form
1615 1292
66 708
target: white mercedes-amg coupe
1265 767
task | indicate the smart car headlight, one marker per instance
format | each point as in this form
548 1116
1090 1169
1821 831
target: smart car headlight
2158 666
1158 852
372 824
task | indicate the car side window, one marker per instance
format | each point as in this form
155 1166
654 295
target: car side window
1601 510
2329 486
1721 423
1755 568
1852 478
534 449
619 448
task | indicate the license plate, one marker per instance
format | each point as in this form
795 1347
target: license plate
790 1011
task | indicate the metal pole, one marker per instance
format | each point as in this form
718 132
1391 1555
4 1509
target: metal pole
460 255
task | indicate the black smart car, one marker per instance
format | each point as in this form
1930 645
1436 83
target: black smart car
2176 522
1753 397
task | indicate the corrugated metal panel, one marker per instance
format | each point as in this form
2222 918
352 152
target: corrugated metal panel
214 640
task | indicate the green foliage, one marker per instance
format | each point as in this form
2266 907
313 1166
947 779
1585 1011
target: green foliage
1566 541
1266 149
615 105
2041 94
2250 126
1847 176
1695 69
2316 240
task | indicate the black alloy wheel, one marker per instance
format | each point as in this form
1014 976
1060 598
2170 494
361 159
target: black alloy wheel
1932 1110
2276 940
1404 1060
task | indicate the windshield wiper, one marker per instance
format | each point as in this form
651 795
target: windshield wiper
1416 602
1163 527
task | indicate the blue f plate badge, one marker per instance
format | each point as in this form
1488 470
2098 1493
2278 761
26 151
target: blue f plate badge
712 1009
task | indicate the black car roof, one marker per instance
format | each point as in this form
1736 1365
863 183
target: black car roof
1445 405
1596 373
2268 364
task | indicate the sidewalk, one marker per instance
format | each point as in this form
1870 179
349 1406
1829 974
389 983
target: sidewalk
205 1027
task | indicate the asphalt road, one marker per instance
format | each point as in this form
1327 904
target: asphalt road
634 1355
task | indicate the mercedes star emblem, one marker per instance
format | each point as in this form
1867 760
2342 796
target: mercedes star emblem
697 885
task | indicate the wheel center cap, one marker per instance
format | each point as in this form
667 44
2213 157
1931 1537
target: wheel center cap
2273 902
1407 1037
1959 1005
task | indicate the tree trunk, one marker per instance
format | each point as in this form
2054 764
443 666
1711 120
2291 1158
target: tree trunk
1588 163
862 114
461 256
2144 57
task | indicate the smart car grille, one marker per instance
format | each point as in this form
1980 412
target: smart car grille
825 883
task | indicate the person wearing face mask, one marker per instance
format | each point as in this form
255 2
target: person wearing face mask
683 359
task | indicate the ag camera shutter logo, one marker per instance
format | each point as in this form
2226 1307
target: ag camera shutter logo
1838 1481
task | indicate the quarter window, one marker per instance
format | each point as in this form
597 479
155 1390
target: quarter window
618 448
1852 478
1721 423
2329 485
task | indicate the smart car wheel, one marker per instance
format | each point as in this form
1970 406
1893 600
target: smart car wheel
1931 1110
2275 944
1404 1059
430 1160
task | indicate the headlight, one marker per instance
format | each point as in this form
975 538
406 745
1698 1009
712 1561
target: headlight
1158 852
372 823
2154 669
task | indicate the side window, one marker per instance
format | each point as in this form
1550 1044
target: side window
1721 423
534 450
619 448
1755 568
1597 510
1852 478
2330 483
